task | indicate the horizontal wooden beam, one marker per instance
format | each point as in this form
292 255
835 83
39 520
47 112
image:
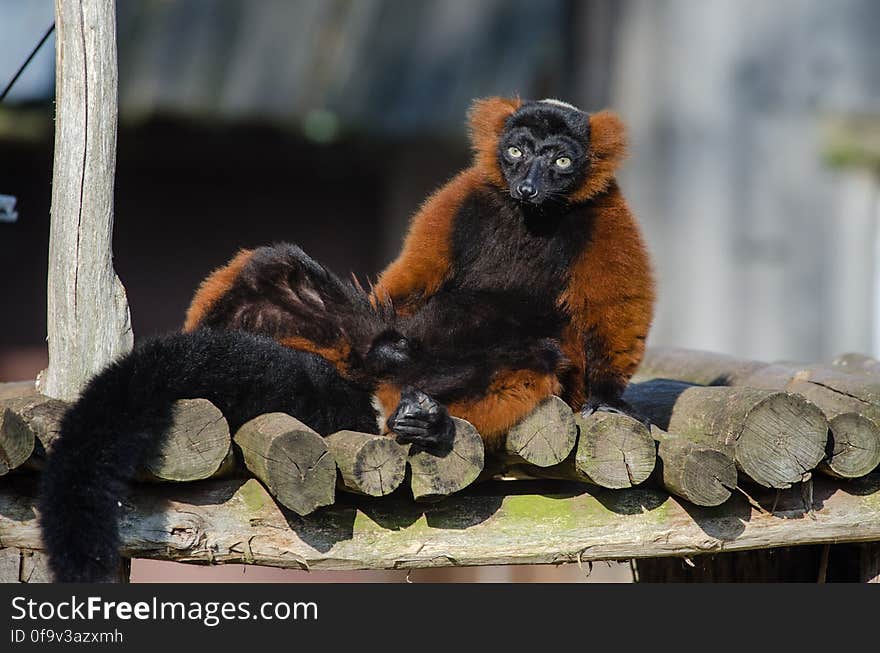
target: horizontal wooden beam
498 523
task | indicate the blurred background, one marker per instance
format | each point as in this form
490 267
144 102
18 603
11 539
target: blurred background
754 168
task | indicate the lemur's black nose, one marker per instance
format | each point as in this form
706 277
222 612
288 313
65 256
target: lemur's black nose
527 190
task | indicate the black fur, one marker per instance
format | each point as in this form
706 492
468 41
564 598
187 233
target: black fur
123 412
458 340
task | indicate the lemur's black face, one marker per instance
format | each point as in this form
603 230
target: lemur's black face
543 151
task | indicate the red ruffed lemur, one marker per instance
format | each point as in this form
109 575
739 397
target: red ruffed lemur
536 232
539 215
522 277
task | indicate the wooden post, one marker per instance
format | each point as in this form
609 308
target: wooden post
88 321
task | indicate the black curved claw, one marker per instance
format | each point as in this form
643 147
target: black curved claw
423 422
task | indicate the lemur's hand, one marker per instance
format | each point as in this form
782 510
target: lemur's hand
423 422
618 406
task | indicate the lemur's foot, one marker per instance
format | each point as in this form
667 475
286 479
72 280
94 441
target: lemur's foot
423 422
619 407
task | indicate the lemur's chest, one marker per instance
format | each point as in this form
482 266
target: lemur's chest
497 245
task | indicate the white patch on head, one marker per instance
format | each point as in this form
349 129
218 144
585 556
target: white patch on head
381 417
559 103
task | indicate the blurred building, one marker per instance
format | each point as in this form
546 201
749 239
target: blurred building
326 122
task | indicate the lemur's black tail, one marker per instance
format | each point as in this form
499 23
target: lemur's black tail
124 412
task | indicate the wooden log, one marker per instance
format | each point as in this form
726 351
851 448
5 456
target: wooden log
23 566
853 448
837 390
237 521
28 566
434 477
775 438
698 472
545 437
87 314
290 459
374 465
849 401
16 440
693 366
613 451
35 418
197 445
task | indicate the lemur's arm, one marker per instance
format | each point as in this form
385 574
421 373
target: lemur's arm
424 262
610 298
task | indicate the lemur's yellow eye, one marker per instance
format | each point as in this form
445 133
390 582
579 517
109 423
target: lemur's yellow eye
515 152
563 162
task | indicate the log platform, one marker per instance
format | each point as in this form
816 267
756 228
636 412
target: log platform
723 468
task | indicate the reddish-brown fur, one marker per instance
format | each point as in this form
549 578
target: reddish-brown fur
388 395
423 264
337 355
512 395
213 288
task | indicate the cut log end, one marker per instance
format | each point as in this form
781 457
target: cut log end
544 437
374 465
614 451
783 438
854 446
16 440
290 459
435 477
696 472
196 445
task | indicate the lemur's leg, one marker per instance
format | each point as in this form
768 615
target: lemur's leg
511 396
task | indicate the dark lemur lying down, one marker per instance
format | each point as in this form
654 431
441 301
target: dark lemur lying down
123 413
120 418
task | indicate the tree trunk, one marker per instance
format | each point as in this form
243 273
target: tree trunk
88 320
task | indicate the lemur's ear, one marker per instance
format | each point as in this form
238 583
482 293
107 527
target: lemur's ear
608 144
486 121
